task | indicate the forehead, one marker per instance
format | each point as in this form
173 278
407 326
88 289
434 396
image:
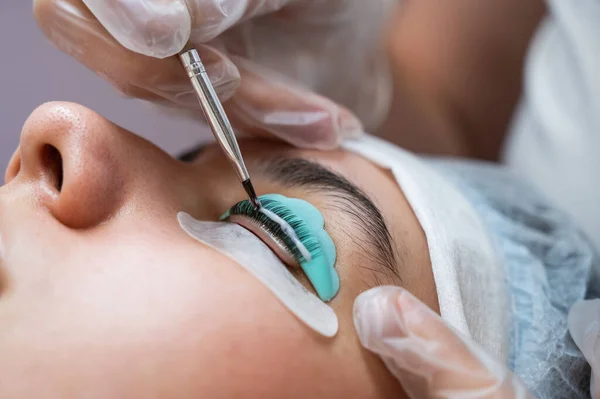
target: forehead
358 170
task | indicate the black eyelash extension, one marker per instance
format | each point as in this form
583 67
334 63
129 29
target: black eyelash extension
300 227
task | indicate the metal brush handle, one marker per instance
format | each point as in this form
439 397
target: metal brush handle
213 111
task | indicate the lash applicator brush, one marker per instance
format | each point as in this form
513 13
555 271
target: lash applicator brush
216 118
299 240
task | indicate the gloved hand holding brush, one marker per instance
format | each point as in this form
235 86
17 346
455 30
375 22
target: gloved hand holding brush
288 68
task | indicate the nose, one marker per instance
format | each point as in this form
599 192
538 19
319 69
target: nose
66 155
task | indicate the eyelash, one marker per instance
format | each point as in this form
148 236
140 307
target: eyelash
273 228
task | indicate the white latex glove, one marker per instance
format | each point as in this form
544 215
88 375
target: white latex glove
268 57
584 325
428 357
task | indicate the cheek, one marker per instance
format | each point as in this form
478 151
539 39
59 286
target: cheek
266 353
261 350
179 321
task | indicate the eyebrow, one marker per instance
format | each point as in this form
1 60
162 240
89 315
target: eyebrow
191 155
374 239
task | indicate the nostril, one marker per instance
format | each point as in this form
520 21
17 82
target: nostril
53 165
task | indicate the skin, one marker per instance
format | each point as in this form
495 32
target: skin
458 73
103 295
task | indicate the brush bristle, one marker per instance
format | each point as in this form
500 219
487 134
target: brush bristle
300 227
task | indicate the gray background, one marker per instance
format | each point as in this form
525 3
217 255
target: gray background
23 49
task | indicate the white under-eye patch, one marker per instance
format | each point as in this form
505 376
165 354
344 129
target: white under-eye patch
259 260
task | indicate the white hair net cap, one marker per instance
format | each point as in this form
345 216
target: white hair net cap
468 277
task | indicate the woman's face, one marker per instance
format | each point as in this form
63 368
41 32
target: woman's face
102 294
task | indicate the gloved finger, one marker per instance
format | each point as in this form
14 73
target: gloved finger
210 18
268 104
75 30
155 28
584 325
160 28
424 354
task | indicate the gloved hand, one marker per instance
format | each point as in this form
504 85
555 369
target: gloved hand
268 57
428 358
584 325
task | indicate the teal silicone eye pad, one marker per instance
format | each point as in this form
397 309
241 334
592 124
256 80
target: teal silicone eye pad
294 229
